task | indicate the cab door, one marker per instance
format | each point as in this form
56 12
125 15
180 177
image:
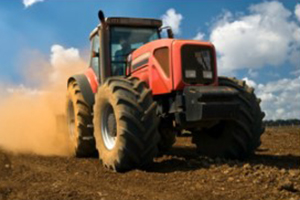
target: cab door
93 72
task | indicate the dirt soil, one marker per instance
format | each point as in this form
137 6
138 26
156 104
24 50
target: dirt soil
273 173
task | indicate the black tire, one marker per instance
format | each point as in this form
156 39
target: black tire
236 139
167 135
80 123
125 124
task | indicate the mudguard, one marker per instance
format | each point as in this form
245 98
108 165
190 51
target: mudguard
85 88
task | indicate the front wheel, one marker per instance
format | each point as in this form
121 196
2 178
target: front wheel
234 138
125 124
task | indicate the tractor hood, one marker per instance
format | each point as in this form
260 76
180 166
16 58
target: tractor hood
175 63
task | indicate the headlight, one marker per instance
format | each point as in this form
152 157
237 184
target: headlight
207 74
190 73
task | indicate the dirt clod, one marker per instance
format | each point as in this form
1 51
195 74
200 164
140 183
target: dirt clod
287 185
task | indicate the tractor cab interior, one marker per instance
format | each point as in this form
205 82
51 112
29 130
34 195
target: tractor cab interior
124 40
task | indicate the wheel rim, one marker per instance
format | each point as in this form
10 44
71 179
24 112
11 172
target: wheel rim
71 122
109 127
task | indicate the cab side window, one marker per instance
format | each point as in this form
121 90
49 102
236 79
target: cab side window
95 51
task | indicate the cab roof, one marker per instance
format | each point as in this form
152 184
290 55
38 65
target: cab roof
125 21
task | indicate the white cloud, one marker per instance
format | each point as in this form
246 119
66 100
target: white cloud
21 89
273 74
266 36
64 60
61 56
249 82
172 19
280 99
297 11
199 36
28 3
63 63
252 73
296 72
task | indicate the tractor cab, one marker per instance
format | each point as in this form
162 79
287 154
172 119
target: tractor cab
115 38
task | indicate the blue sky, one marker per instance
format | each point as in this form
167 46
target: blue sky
243 53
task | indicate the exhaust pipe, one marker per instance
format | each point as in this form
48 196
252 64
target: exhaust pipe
101 17
104 50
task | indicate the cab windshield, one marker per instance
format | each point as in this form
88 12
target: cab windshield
125 40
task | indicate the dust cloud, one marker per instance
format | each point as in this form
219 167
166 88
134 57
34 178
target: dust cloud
31 116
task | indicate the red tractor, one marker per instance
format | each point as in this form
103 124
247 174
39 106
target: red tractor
141 90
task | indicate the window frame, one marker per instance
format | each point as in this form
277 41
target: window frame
96 69
126 26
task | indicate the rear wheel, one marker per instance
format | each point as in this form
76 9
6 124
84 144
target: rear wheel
234 138
79 123
125 124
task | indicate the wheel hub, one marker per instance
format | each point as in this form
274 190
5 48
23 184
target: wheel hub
109 127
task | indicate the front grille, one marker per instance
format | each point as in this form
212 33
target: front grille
199 59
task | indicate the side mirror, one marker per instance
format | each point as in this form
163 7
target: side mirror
95 54
170 33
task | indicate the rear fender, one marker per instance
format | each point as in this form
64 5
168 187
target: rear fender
85 88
